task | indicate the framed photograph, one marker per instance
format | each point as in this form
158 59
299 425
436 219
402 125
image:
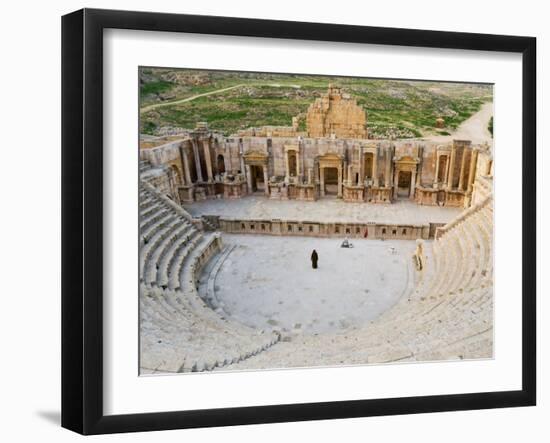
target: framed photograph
270 221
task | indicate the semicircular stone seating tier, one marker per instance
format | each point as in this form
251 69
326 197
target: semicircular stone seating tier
178 331
448 314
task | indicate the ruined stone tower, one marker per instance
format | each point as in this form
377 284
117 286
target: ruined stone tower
336 114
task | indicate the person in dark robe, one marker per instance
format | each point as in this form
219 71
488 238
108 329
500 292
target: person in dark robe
314 259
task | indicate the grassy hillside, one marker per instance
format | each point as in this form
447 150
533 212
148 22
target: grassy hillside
402 108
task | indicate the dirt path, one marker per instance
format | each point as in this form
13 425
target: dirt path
475 128
188 99
204 94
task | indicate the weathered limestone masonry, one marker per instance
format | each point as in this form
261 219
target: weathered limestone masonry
178 331
336 114
318 229
333 158
447 316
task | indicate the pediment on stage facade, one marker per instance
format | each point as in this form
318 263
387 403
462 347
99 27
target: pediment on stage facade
292 147
255 157
406 159
371 147
330 160
444 148
330 156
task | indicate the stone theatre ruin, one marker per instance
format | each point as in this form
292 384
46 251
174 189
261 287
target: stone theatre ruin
214 291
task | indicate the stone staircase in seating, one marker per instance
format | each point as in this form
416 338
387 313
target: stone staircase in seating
179 332
447 316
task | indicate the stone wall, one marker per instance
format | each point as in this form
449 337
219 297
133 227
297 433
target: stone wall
211 248
317 229
336 157
368 170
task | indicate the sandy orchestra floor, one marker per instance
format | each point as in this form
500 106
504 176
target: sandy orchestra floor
268 282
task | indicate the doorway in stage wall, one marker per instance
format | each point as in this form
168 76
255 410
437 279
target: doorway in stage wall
292 164
404 184
331 182
221 164
257 174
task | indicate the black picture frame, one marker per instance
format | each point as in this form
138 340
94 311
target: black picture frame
82 220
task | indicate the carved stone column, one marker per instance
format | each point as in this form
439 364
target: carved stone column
413 184
287 167
227 159
361 165
186 170
462 171
197 160
350 174
436 177
227 162
266 180
322 181
241 158
206 147
451 168
375 168
340 181
387 175
472 171
249 178
396 183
